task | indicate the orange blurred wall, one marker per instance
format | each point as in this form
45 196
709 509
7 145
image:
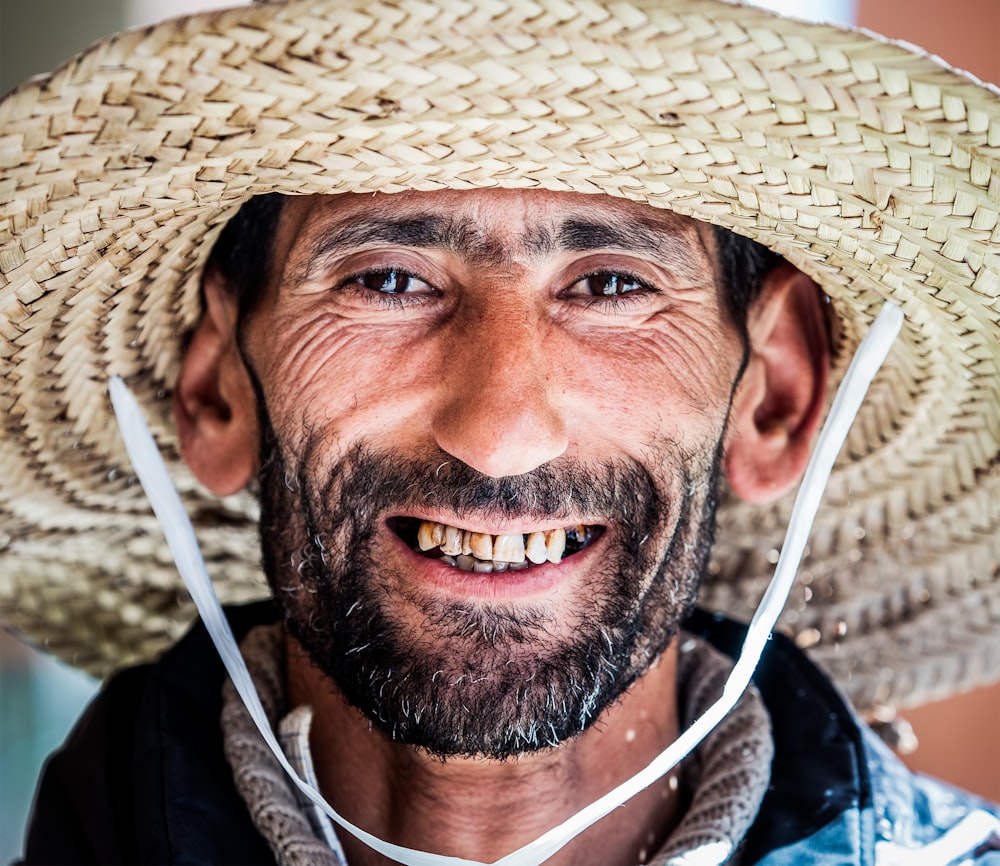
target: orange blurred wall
959 738
966 33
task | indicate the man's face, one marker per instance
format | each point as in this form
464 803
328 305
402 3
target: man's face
492 425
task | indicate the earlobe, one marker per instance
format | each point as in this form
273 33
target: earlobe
779 404
214 405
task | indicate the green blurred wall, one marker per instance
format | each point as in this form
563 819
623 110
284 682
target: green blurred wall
39 699
37 35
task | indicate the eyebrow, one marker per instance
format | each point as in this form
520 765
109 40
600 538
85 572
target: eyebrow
457 236
682 252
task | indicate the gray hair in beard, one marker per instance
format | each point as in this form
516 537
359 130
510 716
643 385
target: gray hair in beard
480 678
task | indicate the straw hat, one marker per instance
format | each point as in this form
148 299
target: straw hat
871 167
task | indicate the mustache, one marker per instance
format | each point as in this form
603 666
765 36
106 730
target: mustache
622 491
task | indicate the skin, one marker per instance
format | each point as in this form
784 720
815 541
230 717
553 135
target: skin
502 356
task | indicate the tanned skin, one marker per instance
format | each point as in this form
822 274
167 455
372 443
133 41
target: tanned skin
500 336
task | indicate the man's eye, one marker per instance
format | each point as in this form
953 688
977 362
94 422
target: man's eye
612 284
392 282
607 285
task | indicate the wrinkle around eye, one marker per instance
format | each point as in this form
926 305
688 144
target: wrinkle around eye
324 341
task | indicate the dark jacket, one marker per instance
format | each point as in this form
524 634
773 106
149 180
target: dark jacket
142 778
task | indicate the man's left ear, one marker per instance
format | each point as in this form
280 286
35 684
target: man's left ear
779 403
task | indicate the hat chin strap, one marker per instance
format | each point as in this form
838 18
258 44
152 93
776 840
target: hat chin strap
180 535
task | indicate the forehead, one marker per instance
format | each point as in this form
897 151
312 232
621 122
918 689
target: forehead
493 227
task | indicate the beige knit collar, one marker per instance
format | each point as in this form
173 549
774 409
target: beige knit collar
725 778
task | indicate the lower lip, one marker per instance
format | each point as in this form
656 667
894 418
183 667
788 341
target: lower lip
533 581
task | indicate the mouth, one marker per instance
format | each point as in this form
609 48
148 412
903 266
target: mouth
484 553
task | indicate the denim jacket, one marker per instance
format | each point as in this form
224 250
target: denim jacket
911 821
838 795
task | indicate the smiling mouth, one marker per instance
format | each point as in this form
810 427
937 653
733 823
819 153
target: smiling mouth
485 553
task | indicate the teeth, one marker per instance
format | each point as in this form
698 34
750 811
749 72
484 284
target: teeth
452 541
480 545
484 552
555 544
509 548
534 549
430 535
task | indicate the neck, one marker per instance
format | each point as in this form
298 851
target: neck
482 809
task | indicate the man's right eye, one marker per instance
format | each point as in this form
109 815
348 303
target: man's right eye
393 282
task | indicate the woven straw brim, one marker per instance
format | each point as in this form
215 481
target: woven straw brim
871 168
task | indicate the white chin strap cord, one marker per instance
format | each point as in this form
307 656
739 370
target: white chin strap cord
180 536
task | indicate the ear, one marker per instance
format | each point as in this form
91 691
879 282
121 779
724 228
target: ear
779 403
214 404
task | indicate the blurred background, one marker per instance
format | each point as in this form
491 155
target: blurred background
40 698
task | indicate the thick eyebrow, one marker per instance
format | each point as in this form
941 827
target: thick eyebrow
457 236
682 252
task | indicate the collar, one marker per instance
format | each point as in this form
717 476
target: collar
819 776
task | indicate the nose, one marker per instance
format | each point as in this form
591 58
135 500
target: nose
500 414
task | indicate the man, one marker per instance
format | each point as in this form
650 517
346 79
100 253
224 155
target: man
486 417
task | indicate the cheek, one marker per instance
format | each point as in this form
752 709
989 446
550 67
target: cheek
618 389
345 379
669 382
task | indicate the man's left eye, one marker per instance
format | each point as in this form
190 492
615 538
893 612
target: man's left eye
606 285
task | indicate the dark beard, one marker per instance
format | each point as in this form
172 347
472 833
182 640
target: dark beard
479 678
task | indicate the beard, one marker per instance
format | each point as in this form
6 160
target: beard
480 677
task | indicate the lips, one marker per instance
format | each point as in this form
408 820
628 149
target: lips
483 552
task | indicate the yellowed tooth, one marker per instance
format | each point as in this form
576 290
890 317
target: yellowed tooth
452 541
466 543
508 548
555 544
481 545
535 548
427 537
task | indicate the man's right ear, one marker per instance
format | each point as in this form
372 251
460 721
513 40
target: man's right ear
214 405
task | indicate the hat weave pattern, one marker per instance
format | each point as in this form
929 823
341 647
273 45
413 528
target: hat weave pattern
872 168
